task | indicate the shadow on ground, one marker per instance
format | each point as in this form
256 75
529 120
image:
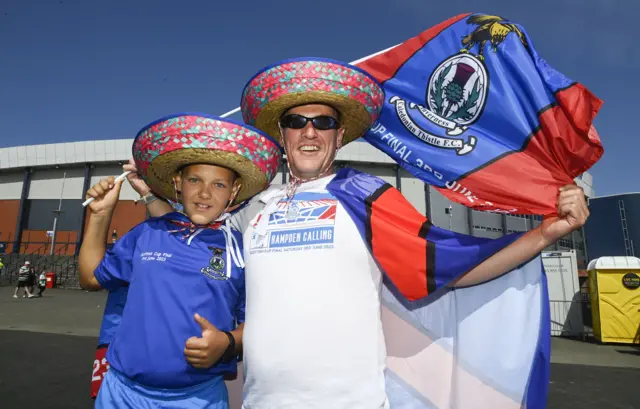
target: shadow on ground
53 371
49 371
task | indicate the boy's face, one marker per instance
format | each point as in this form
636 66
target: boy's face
206 191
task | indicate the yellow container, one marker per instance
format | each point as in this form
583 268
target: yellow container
614 286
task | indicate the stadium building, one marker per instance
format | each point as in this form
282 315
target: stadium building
613 229
42 188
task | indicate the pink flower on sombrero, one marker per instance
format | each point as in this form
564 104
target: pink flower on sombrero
350 90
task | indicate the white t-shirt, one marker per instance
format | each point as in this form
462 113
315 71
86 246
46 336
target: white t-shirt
313 336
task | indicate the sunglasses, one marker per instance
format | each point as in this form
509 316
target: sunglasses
321 122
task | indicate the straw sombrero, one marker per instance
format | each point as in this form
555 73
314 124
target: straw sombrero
275 89
166 145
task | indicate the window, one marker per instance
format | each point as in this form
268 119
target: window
488 228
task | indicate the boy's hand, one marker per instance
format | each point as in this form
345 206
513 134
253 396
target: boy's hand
105 193
205 351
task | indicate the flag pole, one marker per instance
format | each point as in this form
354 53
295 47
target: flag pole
233 111
358 61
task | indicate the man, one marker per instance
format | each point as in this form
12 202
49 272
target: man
316 249
24 276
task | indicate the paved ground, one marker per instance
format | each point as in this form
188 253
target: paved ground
47 345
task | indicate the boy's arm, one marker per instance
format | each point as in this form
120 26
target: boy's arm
105 194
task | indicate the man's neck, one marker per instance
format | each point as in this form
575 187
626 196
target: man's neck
307 178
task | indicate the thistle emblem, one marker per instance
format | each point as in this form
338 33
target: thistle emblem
216 267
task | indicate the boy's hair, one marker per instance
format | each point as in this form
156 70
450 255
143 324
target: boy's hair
236 176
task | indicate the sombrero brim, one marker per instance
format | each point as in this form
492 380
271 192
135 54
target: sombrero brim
166 166
356 95
353 116
163 147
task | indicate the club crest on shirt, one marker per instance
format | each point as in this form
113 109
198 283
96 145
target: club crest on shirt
216 267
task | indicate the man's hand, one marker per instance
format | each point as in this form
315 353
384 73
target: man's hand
205 351
105 194
572 214
136 182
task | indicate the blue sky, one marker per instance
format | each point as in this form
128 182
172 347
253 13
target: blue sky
74 70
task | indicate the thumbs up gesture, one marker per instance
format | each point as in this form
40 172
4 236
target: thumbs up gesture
206 350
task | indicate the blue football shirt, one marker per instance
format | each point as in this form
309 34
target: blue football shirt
170 279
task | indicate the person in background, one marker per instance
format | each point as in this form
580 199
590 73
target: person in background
23 280
42 281
32 280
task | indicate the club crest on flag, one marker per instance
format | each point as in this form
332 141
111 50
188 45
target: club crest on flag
457 90
455 96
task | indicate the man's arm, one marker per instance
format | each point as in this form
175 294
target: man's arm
419 258
105 194
159 208
156 208
572 214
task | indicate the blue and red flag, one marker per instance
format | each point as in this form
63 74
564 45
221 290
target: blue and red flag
484 346
473 110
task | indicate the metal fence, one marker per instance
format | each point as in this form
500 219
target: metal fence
568 318
65 267
40 247
571 318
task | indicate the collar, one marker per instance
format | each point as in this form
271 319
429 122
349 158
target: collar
272 197
280 191
184 224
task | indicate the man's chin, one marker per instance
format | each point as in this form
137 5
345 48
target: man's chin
308 172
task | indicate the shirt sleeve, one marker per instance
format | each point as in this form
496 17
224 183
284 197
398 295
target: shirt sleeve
241 219
116 267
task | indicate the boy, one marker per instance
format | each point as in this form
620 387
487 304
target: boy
182 325
42 282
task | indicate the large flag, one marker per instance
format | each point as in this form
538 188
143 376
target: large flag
473 110
479 347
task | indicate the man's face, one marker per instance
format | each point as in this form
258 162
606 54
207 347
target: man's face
206 191
309 149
